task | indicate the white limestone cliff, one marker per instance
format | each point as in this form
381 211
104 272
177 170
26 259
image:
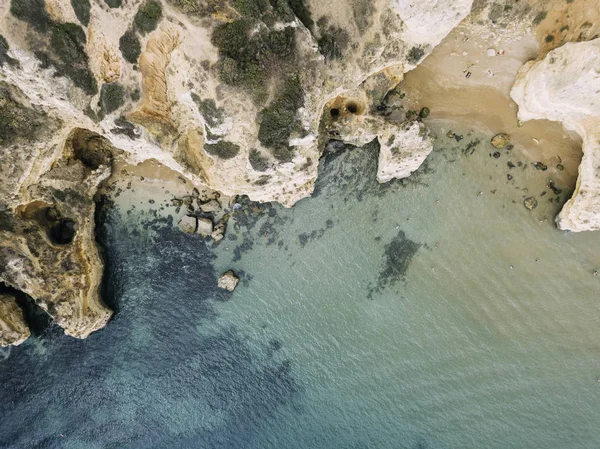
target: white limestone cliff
565 87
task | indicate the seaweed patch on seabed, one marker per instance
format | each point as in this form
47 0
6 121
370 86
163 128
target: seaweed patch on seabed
316 234
397 257
255 221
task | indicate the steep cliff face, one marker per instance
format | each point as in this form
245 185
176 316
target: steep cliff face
47 241
232 93
239 96
565 87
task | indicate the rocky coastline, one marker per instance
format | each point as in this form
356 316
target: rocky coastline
239 98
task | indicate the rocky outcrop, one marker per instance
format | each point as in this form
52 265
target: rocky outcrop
47 239
237 96
565 87
228 281
13 328
233 94
404 152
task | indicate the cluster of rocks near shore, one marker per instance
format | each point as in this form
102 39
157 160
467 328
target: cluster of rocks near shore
205 214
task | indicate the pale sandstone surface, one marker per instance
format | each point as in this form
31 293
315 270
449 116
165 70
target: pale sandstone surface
13 328
565 87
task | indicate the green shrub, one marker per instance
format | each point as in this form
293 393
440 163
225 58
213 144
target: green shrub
415 54
82 10
130 46
278 120
148 16
31 11
111 98
68 42
222 149
114 3
4 58
258 161
16 121
209 110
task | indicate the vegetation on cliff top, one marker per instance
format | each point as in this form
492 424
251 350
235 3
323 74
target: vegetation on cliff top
62 45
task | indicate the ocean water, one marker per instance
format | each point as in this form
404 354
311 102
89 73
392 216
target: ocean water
435 312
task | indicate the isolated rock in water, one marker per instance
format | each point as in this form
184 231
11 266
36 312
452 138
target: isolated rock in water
500 140
228 281
404 152
187 224
13 328
205 226
565 87
530 203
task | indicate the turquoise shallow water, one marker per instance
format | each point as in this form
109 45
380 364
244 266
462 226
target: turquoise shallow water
431 313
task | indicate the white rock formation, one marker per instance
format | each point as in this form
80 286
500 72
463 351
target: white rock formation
228 281
205 227
405 154
189 106
565 87
237 96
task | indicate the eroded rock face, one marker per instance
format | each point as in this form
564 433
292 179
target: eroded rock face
565 87
47 241
231 93
237 96
13 328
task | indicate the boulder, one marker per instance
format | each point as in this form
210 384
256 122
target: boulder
188 224
13 328
210 206
530 203
228 281
500 141
205 227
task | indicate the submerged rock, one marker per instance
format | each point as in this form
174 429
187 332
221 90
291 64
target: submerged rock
500 141
228 281
13 328
530 203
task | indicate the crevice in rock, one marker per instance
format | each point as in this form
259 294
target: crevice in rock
90 148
